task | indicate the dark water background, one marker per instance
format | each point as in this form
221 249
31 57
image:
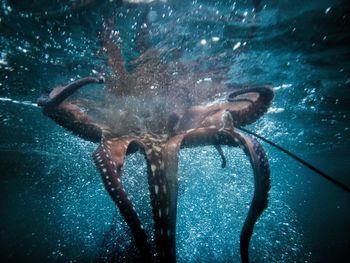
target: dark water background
52 201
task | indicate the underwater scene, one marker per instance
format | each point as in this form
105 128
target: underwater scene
174 131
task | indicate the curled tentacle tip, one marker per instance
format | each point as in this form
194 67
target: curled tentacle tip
223 164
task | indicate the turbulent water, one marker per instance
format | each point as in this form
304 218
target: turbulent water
53 204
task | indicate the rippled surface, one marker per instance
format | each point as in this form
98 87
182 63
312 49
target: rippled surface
53 204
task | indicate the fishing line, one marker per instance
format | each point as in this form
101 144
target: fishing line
300 160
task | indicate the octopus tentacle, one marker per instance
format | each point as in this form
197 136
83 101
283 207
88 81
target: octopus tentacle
167 196
110 38
167 191
109 158
244 106
259 100
162 169
68 114
59 94
259 162
142 39
221 153
206 136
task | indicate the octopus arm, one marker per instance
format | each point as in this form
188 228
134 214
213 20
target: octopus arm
249 104
110 38
243 106
162 160
261 170
68 114
166 192
212 136
109 158
59 94
221 153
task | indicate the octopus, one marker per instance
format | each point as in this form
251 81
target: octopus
158 108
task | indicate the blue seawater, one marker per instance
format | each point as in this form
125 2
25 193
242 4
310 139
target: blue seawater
53 205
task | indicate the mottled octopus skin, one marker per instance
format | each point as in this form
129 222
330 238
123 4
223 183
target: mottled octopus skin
211 124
